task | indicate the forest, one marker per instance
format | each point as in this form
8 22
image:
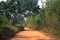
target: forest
15 15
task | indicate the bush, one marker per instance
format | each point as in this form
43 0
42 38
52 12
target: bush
6 28
21 28
32 26
52 31
3 20
7 31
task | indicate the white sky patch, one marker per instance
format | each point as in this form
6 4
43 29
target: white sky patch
0 0
41 2
3 0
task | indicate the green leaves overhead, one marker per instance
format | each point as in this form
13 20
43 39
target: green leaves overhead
23 5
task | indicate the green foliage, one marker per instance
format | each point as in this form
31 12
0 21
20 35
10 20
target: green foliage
6 28
7 31
48 19
20 27
3 20
52 22
16 7
35 21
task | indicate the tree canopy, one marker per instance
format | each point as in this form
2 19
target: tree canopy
13 8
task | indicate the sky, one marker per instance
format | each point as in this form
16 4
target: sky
39 2
3 0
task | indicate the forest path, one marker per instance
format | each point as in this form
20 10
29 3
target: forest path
30 34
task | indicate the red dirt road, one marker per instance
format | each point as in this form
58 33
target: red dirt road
29 34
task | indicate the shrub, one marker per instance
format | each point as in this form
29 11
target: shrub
7 31
3 20
21 28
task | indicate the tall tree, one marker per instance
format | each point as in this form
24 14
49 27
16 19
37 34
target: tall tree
18 7
52 13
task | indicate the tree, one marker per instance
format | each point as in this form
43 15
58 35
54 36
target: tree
13 8
52 20
52 10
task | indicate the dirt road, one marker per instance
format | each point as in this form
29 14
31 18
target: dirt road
30 34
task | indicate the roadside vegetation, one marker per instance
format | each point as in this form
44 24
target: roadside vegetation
12 14
48 19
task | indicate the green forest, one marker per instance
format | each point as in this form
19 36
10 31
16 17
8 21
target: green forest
15 15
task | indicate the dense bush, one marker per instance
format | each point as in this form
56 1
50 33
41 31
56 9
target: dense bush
6 29
3 20
20 27
49 24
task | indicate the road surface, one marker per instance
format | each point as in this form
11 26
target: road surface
30 34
